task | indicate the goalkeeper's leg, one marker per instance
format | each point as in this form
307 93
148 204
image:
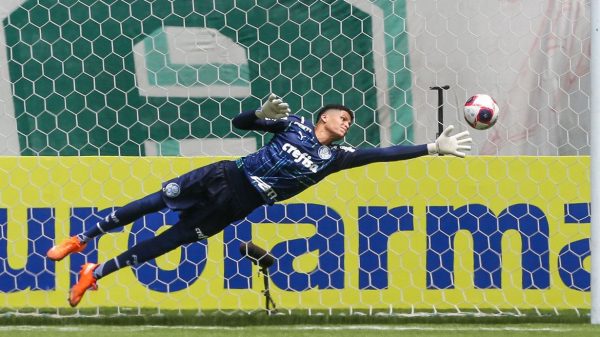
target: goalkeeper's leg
118 218
170 239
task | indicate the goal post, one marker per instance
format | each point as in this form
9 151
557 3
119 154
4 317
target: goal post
595 161
101 101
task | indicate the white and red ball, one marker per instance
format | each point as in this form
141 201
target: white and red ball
481 111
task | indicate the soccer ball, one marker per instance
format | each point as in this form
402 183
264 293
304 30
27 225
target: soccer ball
481 111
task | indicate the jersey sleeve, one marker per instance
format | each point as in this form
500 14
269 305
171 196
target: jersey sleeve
351 157
247 120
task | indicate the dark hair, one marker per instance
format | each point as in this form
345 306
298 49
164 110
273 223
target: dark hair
336 107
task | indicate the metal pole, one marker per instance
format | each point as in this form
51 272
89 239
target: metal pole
440 116
595 159
269 303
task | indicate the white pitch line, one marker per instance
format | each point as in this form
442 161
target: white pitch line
290 327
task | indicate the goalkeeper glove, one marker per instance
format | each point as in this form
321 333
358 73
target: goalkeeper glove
273 108
454 145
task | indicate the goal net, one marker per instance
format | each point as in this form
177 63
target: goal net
101 101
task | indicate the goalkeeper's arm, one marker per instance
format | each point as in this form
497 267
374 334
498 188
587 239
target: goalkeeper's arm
445 144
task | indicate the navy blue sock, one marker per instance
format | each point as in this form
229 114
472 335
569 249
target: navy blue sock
125 215
106 268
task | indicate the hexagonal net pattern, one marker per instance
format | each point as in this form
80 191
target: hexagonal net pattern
101 101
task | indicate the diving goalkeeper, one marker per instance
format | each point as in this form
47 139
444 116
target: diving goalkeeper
210 198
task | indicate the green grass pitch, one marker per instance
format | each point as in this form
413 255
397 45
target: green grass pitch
384 330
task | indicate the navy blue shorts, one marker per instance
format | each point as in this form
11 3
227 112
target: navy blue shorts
211 197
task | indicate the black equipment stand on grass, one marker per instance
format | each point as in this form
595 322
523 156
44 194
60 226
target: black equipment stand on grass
264 260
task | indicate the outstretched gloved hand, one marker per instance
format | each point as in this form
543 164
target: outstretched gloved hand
454 145
273 108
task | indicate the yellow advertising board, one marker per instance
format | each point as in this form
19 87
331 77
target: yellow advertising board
485 232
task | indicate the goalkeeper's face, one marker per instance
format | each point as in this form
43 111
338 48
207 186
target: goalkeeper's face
336 123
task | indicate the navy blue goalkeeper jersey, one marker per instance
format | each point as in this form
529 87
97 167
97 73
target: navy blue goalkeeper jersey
294 159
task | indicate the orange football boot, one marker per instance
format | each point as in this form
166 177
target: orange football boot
71 245
86 281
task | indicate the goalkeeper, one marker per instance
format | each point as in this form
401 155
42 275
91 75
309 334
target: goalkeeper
211 197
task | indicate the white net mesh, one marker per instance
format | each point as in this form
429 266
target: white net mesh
92 91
